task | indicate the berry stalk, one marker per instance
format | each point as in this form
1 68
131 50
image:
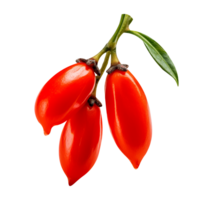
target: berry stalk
109 49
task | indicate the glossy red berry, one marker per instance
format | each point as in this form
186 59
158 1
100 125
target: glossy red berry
128 115
80 142
63 94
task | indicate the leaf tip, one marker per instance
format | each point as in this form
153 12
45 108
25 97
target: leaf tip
177 85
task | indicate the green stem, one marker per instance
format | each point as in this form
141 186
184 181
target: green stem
97 56
122 27
114 58
110 48
104 65
111 45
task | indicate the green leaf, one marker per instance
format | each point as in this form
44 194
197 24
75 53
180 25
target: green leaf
158 54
